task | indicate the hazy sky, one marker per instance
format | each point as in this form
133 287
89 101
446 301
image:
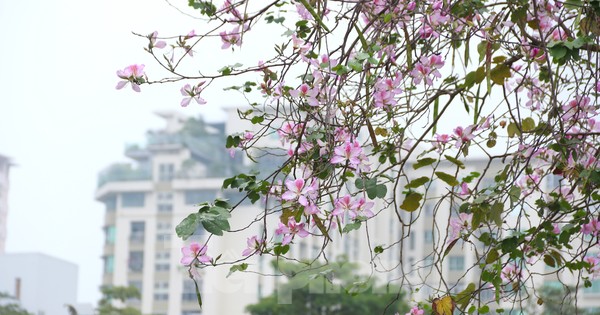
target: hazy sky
62 121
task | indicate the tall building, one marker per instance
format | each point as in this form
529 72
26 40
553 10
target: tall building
179 166
5 164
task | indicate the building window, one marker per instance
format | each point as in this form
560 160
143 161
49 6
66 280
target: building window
161 296
162 261
166 172
132 200
163 231
109 264
137 231
456 263
594 289
136 261
111 233
164 196
428 236
161 291
165 207
189 290
193 197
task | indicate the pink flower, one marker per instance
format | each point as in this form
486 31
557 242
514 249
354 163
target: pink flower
352 153
556 229
342 205
290 230
192 92
231 38
299 190
464 189
463 135
416 311
228 7
594 262
362 208
134 74
254 245
457 225
386 90
194 253
593 227
304 91
427 67
510 273
153 43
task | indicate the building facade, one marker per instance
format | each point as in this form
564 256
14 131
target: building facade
5 164
41 284
180 166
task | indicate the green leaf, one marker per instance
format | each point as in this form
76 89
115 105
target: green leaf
500 73
549 260
514 193
447 178
513 130
456 161
198 295
355 65
417 182
188 226
351 226
281 250
257 119
464 297
411 202
234 268
492 256
424 162
378 249
528 124
496 213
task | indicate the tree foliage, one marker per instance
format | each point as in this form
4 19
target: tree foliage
375 105
331 289
7 307
112 294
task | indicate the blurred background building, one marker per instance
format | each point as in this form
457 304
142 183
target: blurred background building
5 164
185 163
41 284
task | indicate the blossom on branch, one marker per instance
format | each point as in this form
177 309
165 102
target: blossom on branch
194 253
192 93
133 74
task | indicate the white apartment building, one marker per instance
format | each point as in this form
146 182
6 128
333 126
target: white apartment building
179 167
185 163
5 164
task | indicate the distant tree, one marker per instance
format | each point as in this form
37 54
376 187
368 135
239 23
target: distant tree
554 301
11 308
111 294
332 289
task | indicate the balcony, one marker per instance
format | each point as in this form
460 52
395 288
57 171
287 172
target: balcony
123 173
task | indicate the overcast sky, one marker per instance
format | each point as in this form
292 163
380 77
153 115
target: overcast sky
62 121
